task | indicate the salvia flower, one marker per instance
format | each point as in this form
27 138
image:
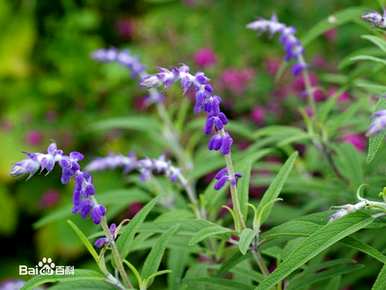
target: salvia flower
205 101
131 62
146 166
375 18
292 45
84 190
122 57
223 177
378 123
99 243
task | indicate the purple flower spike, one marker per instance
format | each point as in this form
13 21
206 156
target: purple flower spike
378 123
84 188
124 58
223 177
291 44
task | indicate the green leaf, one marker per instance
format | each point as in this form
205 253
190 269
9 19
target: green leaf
154 258
126 238
339 18
212 230
219 283
79 274
365 248
333 284
349 163
381 43
381 280
140 123
369 58
245 167
177 261
84 240
231 263
275 188
113 197
84 285
246 238
317 242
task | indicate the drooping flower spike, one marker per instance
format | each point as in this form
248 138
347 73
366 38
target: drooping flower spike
205 101
84 202
129 61
292 45
375 18
378 123
146 166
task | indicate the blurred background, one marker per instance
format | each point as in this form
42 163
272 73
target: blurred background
50 89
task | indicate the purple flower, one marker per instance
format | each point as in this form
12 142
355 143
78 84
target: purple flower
223 177
378 123
99 243
204 101
291 44
83 201
375 18
122 57
146 166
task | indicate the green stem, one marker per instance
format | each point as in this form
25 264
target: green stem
116 256
260 262
239 219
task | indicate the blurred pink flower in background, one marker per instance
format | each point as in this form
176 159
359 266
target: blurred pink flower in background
331 34
258 115
49 198
51 115
319 95
6 125
272 65
299 85
139 103
125 28
34 137
205 57
237 80
357 140
133 209
343 97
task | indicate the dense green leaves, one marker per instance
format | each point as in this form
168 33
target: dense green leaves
128 232
79 275
381 280
273 191
209 231
317 242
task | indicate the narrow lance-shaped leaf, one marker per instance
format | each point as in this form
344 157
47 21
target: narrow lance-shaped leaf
275 188
376 142
125 239
381 280
84 240
207 232
154 258
246 238
317 242
79 275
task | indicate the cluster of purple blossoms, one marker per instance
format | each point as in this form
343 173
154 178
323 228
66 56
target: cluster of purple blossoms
99 243
223 177
378 123
292 45
146 166
84 190
375 18
205 101
129 61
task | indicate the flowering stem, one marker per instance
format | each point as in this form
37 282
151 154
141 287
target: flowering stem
116 256
173 137
308 85
320 145
239 219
